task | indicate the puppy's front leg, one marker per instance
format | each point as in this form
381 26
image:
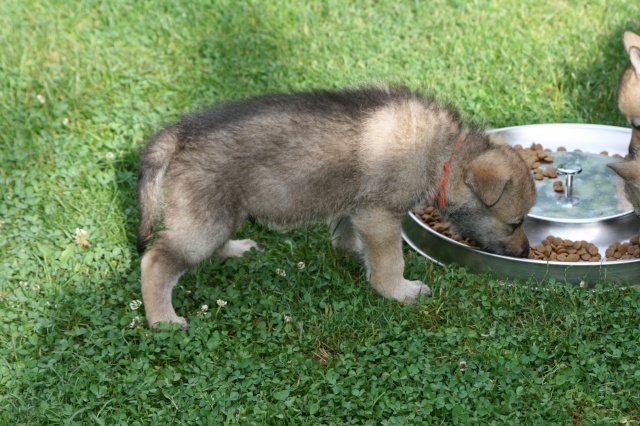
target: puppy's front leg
380 233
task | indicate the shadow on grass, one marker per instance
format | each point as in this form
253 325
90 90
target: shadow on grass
251 55
242 56
595 81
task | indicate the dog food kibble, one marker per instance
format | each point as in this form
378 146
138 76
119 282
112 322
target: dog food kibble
534 156
623 251
551 248
557 249
430 216
557 186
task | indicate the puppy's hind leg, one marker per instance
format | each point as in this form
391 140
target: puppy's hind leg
379 230
181 246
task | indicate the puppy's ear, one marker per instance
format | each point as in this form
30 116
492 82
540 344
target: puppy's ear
486 179
634 57
627 170
629 39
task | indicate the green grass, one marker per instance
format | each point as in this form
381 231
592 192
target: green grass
83 83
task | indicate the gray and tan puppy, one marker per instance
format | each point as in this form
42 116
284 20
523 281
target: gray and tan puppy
629 105
358 159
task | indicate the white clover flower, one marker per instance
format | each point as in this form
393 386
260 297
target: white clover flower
134 322
221 303
301 265
110 155
81 238
41 98
204 309
66 121
281 272
36 287
287 318
463 365
23 284
135 304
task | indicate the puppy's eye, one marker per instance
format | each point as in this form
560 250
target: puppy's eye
515 225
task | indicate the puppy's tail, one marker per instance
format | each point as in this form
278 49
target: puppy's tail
155 159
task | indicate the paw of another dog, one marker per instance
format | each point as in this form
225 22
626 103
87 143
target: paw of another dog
236 248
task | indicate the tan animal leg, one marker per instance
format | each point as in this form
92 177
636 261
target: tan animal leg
380 234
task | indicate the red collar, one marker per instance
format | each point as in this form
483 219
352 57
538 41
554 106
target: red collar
445 173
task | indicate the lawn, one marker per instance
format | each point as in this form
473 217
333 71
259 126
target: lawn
291 335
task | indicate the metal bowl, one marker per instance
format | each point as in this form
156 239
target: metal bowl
597 225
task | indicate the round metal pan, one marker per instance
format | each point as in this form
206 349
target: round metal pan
586 137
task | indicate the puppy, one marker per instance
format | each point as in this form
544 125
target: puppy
358 159
629 104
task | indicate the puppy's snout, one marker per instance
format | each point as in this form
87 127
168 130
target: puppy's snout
518 244
525 249
521 251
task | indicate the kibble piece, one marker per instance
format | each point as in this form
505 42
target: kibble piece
573 258
592 249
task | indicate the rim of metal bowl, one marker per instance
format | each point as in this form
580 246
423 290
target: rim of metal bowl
426 227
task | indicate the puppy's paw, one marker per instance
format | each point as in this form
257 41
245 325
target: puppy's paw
236 248
410 291
173 319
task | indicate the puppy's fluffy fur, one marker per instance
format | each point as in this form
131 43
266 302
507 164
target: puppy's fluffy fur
358 159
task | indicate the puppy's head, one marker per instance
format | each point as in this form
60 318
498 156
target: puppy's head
490 200
630 172
629 90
